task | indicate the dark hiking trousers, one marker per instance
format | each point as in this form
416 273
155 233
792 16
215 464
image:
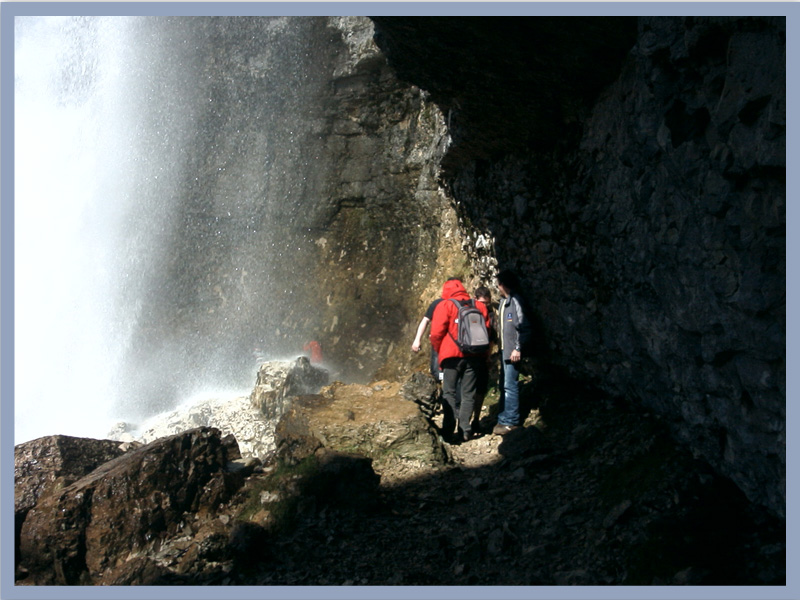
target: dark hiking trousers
460 374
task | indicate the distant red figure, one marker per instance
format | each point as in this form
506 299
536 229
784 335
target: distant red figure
316 352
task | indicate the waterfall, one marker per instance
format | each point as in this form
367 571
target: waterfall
71 172
162 180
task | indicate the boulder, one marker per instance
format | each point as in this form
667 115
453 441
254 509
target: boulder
47 464
124 509
278 381
375 420
50 463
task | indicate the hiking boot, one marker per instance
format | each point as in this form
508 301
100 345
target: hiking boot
452 438
466 436
503 429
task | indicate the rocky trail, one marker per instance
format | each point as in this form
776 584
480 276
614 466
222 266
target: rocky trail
587 493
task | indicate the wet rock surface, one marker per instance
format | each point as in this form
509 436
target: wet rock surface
277 382
250 419
232 416
308 205
50 463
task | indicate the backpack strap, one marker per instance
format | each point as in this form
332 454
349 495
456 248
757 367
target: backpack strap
460 303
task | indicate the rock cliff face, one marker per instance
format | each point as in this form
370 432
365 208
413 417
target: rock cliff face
647 218
307 207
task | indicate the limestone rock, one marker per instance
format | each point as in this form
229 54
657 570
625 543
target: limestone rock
374 420
278 381
232 416
250 419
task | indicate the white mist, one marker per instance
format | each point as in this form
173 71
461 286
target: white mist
162 211
71 167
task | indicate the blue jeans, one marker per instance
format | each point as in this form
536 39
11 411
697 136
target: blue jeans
509 394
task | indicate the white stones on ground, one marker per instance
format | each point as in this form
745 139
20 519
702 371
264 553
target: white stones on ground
250 419
236 416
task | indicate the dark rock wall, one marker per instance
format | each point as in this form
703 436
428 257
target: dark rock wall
651 234
500 81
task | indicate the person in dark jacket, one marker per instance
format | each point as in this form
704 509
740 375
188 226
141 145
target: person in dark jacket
515 334
459 369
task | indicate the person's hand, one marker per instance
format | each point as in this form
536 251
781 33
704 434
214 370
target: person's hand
415 347
515 356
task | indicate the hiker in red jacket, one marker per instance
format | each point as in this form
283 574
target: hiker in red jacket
459 369
315 350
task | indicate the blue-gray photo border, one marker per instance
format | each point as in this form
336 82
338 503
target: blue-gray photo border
10 10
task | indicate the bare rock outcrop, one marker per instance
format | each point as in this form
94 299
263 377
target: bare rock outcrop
186 508
250 419
48 464
124 510
180 511
278 381
232 416
589 492
51 463
375 420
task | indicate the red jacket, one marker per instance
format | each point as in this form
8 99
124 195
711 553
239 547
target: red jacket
444 318
316 352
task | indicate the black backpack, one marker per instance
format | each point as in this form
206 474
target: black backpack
473 337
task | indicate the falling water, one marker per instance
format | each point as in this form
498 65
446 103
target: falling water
71 136
160 181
